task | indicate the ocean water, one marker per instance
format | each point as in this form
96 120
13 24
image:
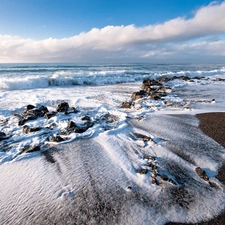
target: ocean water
90 176
31 76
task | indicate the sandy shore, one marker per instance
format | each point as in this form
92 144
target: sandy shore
96 180
213 124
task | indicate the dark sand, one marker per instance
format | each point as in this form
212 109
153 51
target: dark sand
213 124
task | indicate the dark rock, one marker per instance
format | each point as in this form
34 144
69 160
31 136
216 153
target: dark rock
56 139
63 107
138 95
28 148
213 184
109 118
80 129
126 105
148 83
155 96
49 115
29 107
154 180
163 89
3 136
21 122
152 166
201 173
28 130
172 181
163 177
71 125
142 171
144 137
86 117
168 103
164 79
43 110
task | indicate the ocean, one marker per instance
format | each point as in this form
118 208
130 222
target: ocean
89 151
32 76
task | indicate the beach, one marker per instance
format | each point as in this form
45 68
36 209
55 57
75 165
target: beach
124 151
213 125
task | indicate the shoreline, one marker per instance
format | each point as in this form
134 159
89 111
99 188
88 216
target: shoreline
213 125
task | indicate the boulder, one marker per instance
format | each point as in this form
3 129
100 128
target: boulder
63 107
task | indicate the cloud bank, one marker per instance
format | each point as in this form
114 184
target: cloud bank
197 39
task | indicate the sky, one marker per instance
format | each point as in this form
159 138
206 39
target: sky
112 31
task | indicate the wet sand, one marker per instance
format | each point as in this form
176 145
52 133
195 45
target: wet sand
213 124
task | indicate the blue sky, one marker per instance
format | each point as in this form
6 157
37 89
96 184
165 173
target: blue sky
112 31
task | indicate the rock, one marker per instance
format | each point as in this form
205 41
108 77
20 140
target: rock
49 115
142 171
21 122
43 110
148 83
109 118
32 113
154 180
86 117
138 95
80 129
3 136
155 96
63 107
126 105
71 125
201 173
144 137
164 89
28 148
29 107
27 129
168 103
56 139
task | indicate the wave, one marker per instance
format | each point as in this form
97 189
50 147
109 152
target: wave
66 78
94 76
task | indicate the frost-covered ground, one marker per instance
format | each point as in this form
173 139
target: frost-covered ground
132 166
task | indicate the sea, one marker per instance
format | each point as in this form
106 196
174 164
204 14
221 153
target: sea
98 162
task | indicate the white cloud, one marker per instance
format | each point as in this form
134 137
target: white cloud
171 38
